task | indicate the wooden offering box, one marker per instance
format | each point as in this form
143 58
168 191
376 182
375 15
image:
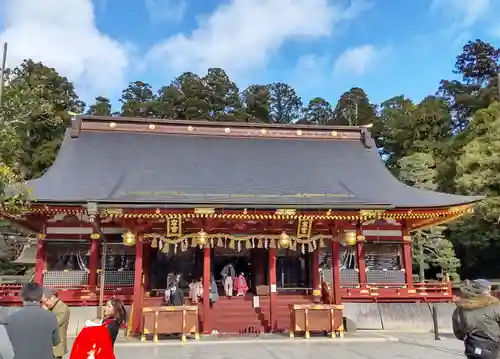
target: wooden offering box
309 318
170 320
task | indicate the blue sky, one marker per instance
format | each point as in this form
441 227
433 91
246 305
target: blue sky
321 47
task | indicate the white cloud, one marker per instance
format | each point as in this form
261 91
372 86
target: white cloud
463 12
310 70
159 10
242 35
359 60
62 34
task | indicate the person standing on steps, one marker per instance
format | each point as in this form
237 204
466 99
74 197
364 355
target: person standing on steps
228 274
476 320
33 331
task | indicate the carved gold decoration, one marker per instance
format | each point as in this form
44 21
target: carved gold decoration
286 212
112 212
174 227
304 228
204 211
95 236
129 238
370 214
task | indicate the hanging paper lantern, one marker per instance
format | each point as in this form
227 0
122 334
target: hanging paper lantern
201 237
128 238
284 240
350 238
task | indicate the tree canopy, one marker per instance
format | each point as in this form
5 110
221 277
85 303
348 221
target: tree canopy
447 141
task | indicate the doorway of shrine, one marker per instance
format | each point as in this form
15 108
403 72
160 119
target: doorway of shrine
188 264
241 261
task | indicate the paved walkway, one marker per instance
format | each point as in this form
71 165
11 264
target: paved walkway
361 345
373 346
290 350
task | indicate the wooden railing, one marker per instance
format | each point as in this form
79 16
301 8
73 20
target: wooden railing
71 294
426 291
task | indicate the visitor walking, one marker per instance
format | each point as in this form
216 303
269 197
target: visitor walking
51 301
32 330
228 274
6 351
476 320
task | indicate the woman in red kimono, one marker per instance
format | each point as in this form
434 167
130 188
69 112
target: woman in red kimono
240 285
97 339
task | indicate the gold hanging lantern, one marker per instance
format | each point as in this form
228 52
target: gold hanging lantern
350 238
128 238
284 240
201 238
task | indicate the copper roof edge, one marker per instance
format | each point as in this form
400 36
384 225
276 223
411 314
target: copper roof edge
214 128
152 120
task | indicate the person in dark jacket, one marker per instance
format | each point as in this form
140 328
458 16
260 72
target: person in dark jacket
32 330
477 310
174 295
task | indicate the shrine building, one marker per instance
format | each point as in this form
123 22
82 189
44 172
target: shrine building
309 214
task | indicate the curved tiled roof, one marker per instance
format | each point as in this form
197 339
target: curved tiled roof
187 170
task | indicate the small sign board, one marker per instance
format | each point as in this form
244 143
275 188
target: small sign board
273 288
256 301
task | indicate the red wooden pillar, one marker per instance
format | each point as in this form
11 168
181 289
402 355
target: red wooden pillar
146 259
336 293
360 256
138 287
315 275
94 260
260 267
41 252
272 288
207 329
407 258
